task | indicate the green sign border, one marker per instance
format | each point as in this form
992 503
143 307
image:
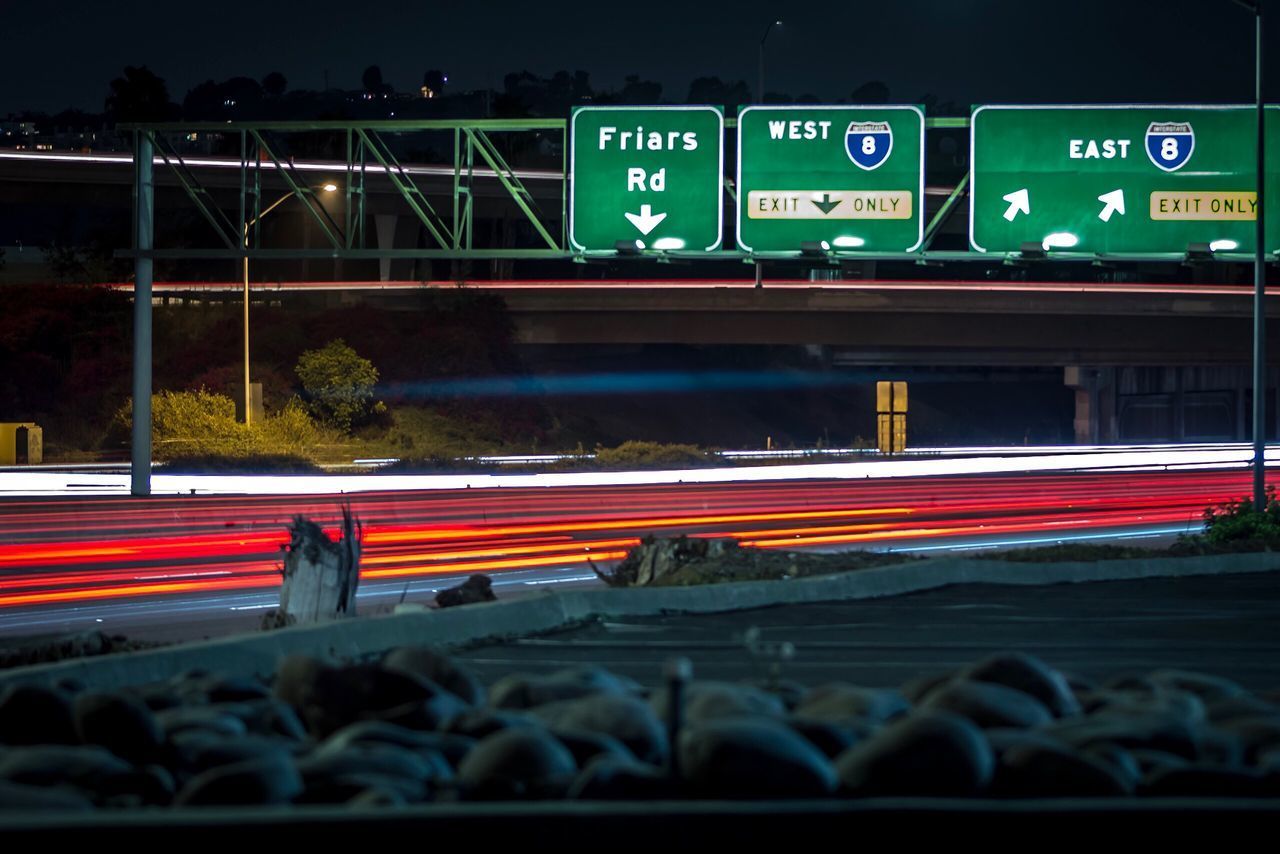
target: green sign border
573 165
973 137
737 213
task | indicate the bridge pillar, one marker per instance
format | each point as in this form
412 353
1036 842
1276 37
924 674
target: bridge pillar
1095 419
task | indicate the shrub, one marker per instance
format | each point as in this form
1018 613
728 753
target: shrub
634 454
1239 522
202 425
338 382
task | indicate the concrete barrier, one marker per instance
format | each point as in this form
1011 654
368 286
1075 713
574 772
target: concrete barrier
365 637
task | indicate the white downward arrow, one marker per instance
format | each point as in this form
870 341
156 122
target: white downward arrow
646 220
1019 200
1114 203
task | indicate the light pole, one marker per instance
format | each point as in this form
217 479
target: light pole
248 409
760 81
1259 279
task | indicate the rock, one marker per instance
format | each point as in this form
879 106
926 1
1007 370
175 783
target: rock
829 737
328 698
608 778
1212 781
709 700
204 718
388 760
838 701
452 747
272 717
525 691
93 769
1162 733
1243 706
378 797
347 788
753 758
988 704
586 745
1160 702
266 781
628 719
21 799
1120 761
478 723
233 689
296 679
477 588
1044 771
917 688
1003 739
1208 688
1029 675
928 753
196 752
438 668
121 723
517 762
33 714
1255 735
789 692
1152 762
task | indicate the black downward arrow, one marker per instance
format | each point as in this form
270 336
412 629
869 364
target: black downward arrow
826 205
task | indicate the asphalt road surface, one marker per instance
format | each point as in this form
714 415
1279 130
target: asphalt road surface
1228 625
181 567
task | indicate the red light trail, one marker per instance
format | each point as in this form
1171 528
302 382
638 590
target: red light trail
58 551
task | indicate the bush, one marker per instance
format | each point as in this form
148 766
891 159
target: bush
202 425
1239 522
338 382
630 455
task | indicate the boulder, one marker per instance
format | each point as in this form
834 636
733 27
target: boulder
477 588
438 668
839 701
452 747
710 700
1212 781
266 781
988 704
1029 675
1166 734
20 799
1051 771
753 758
525 691
586 745
203 718
119 722
1207 687
628 719
607 778
517 762
33 714
829 737
927 754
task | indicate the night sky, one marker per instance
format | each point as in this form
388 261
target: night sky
61 55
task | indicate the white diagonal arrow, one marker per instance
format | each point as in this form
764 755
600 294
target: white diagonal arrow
1113 203
1019 200
646 220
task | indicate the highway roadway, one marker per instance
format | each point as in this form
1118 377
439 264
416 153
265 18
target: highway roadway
183 566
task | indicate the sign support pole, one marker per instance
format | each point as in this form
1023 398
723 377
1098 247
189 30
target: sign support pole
144 228
1259 292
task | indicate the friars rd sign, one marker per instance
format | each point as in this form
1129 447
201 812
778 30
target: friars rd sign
850 176
1118 179
646 174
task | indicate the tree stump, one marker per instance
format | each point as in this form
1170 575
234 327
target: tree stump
320 575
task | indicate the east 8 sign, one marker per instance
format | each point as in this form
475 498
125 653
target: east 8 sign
1118 179
850 176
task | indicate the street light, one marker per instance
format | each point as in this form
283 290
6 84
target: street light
248 409
760 90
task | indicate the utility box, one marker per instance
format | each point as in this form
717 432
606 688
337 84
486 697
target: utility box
891 417
255 401
21 443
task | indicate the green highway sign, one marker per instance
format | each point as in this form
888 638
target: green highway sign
850 176
1118 179
646 174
